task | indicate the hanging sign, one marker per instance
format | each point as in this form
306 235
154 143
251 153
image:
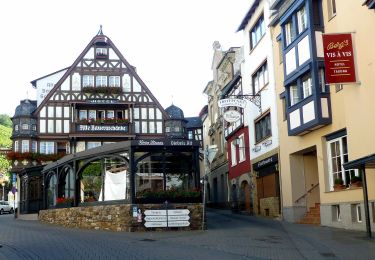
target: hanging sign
339 58
232 102
231 116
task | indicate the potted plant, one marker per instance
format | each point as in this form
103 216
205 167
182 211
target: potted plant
339 184
356 181
63 202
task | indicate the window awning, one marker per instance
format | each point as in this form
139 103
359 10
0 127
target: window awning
364 162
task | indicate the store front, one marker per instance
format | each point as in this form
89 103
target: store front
145 173
268 188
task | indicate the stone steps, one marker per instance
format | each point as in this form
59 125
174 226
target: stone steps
312 217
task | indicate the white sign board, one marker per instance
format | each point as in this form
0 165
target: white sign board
232 116
232 102
167 218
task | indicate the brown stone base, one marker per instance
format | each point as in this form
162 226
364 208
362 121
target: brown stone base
116 217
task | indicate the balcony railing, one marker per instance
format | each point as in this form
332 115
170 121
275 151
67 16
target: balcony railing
102 89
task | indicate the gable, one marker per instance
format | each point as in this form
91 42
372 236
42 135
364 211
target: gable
100 73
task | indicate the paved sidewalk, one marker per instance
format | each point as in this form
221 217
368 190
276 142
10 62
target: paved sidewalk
229 236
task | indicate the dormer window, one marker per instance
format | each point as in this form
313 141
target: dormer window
101 53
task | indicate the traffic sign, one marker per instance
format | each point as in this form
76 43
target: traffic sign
178 212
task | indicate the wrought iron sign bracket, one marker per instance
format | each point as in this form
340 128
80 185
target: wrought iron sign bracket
255 99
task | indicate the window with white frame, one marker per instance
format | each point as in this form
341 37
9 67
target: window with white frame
241 148
263 127
114 81
257 32
294 94
101 81
307 86
88 80
82 114
290 34
92 114
356 213
91 145
338 155
101 51
25 127
51 112
233 152
25 146
16 146
336 214
16 128
260 78
302 20
34 146
331 8
47 147
322 82
58 111
51 126
111 114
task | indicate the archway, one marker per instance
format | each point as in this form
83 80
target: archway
245 196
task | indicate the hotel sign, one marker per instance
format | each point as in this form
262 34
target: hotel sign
339 58
232 102
103 128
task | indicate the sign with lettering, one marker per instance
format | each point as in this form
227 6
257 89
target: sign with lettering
103 128
231 116
339 58
102 101
266 162
167 218
232 102
164 142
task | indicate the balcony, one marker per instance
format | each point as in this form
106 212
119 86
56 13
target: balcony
102 89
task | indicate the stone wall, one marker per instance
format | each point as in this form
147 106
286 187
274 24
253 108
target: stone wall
115 217
270 207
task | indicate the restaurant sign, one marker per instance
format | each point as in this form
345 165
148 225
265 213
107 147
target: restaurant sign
232 102
166 142
339 58
103 128
231 116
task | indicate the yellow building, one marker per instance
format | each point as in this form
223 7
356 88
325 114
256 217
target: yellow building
323 126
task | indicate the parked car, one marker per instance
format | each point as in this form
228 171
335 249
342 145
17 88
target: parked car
5 207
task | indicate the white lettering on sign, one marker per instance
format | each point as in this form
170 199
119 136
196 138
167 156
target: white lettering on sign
97 128
182 143
150 142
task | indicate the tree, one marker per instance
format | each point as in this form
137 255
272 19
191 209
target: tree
5 133
5 120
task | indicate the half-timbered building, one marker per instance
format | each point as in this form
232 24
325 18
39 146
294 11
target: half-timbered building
100 100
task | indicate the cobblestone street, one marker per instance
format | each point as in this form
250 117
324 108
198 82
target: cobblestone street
229 236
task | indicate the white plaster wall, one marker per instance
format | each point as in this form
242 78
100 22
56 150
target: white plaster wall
253 59
44 85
